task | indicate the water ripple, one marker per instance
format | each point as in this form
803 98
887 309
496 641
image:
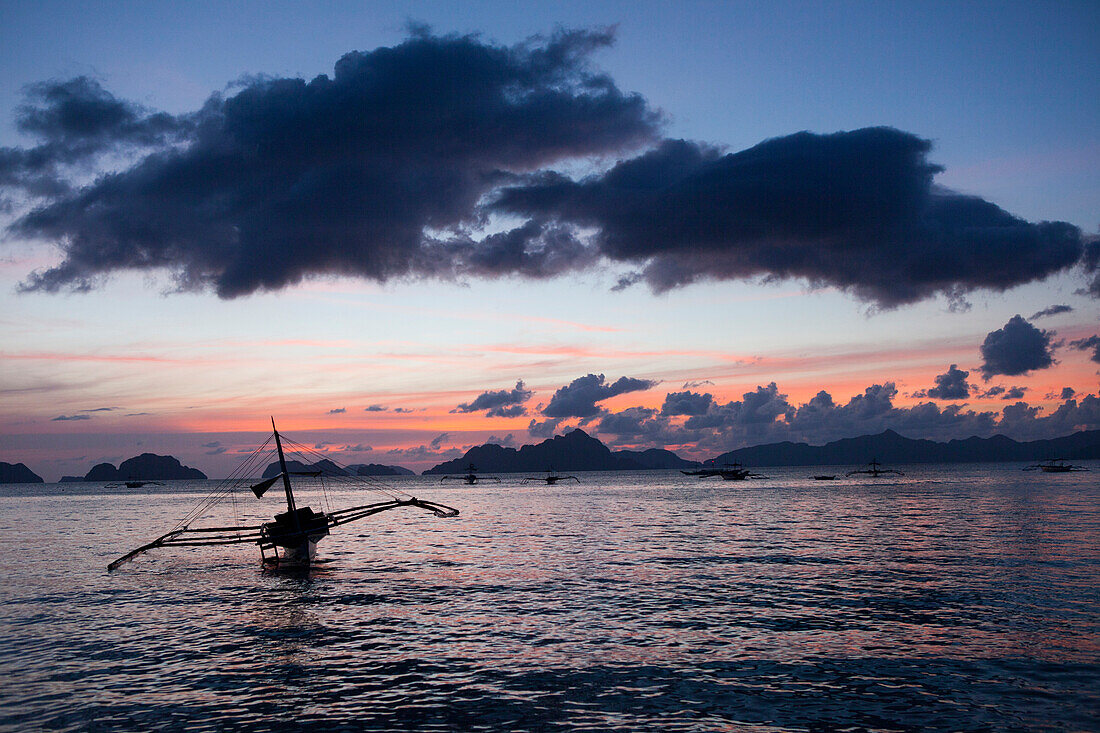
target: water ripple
961 599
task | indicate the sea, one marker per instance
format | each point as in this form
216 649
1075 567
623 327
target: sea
954 598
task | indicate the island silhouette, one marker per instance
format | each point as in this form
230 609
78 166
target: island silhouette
329 468
576 450
17 473
573 451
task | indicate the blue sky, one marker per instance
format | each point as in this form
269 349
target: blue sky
1006 93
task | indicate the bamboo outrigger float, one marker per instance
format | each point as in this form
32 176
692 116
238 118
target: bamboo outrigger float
290 539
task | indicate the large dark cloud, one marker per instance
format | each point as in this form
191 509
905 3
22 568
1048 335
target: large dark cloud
855 210
362 173
75 121
1091 265
79 117
579 397
499 403
951 385
1017 348
399 164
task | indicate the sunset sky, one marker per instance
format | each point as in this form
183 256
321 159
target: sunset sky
404 230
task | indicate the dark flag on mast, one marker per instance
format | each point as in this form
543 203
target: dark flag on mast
264 485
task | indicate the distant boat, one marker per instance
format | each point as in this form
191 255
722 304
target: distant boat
132 484
824 477
551 477
727 468
470 477
737 472
874 469
292 537
1055 465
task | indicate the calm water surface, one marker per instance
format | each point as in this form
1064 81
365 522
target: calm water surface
953 598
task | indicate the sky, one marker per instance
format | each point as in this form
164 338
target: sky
407 229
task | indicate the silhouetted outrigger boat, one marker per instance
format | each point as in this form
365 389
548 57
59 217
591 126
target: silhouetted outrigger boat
131 484
1055 465
292 537
703 472
874 469
729 472
470 477
737 472
551 477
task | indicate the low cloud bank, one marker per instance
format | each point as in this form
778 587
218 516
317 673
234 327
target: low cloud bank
696 421
765 415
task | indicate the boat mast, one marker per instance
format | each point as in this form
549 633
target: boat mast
282 465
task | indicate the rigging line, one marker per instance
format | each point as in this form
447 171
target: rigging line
358 483
324 492
343 477
290 448
223 487
296 456
347 477
236 519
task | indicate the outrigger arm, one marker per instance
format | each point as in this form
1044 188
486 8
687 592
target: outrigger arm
205 536
351 514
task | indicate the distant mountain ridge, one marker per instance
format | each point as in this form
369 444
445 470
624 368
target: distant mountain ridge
329 468
578 451
890 447
574 451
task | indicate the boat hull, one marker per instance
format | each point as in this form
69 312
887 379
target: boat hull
298 555
293 537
